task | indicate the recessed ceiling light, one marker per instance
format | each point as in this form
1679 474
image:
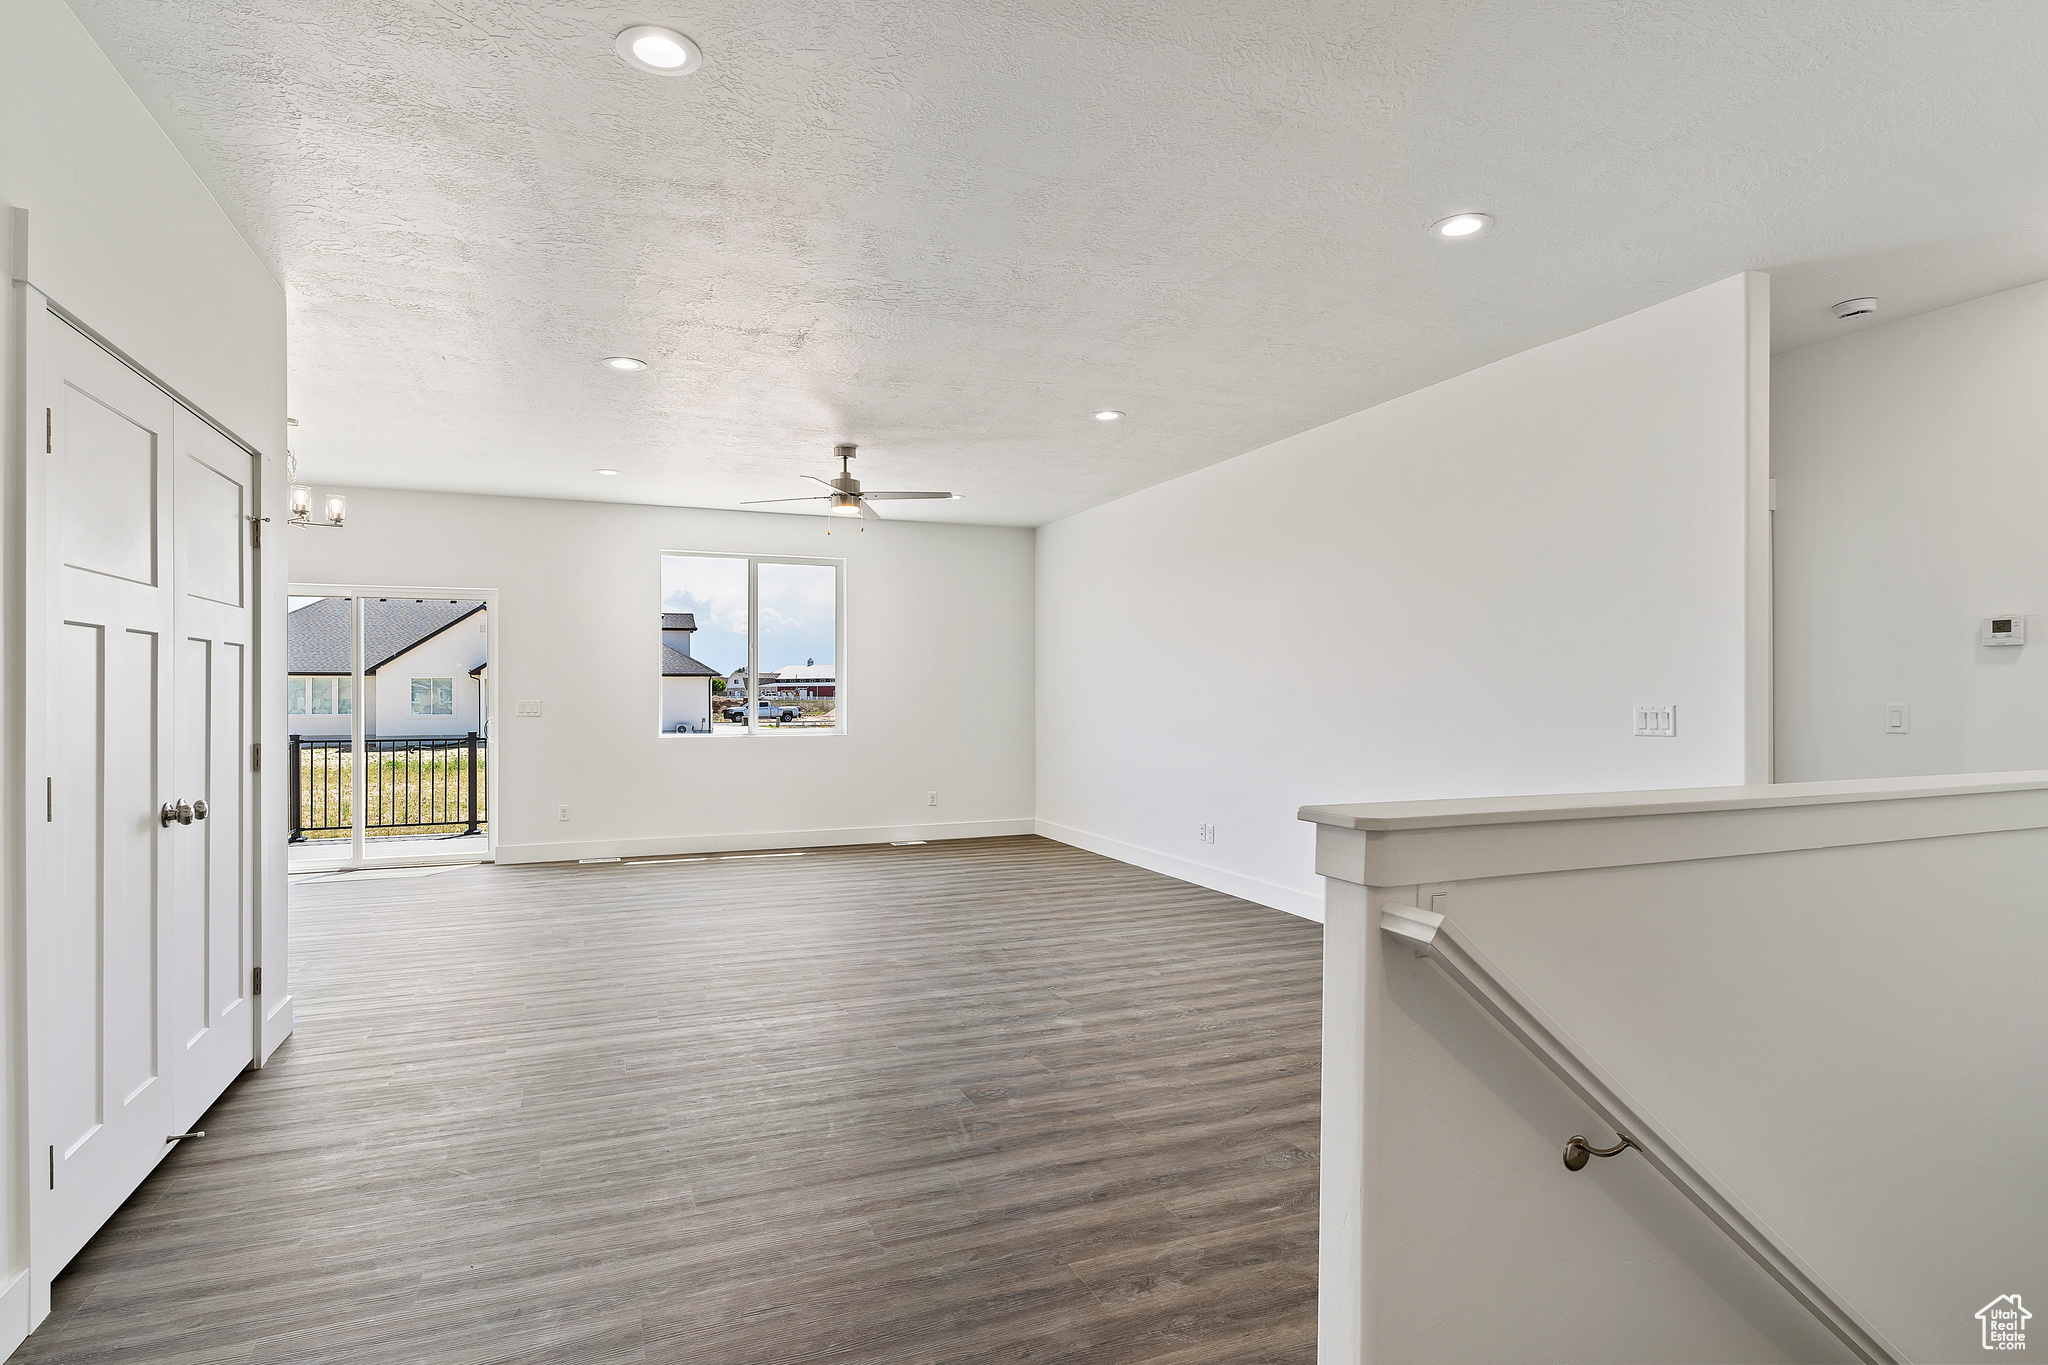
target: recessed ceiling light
1108 415
651 47
1462 225
607 471
624 362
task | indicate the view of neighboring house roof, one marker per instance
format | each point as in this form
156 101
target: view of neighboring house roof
679 620
316 635
676 664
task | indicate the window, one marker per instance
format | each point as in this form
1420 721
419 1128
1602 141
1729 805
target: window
770 631
433 696
319 696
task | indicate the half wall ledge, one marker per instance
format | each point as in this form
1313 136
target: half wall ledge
1406 843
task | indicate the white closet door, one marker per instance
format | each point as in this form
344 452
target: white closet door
210 967
100 1048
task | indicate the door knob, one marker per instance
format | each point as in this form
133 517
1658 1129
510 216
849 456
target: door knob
199 809
176 812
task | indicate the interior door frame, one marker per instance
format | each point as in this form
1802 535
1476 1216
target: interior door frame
358 853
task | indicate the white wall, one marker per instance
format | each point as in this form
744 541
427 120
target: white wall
685 701
1912 466
579 594
1465 591
1798 993
107 219
123 234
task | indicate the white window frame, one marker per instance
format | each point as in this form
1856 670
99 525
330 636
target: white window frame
839 663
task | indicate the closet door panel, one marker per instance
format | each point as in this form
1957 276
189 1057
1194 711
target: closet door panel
101 1102
212 896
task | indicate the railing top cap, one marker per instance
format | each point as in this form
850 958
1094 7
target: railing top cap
1386 816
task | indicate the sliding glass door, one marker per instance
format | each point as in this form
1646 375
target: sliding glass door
389 713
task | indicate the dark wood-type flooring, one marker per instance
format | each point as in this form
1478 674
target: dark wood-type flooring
998 1100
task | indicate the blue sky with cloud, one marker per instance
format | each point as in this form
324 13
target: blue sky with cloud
798 602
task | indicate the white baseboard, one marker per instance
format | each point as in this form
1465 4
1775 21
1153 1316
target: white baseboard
765 839
279 1020
14 1323
1257 890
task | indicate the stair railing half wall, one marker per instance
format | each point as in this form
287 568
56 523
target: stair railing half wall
1436 937
1786 999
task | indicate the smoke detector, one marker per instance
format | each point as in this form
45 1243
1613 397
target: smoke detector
1853 308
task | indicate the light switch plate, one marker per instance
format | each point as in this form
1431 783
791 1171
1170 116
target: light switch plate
1898 718
528 708
1657 722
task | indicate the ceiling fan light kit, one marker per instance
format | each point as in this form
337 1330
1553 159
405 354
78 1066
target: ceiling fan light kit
845 498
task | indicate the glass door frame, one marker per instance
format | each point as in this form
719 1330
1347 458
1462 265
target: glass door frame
358 841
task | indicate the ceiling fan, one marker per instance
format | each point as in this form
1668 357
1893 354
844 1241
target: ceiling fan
845 497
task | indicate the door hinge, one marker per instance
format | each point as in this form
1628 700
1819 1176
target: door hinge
255 533
49 800
47 423
256 986
53 1165
255 758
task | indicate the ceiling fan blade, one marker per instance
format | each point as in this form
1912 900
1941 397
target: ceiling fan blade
757 502
865 510
815 479
910 495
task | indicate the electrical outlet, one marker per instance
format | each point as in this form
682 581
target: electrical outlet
1656 722
931 798
528 708
1206 833
564 815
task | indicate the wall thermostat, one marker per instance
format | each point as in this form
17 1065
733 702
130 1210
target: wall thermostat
2003 630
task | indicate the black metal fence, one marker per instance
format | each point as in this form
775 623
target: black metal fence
431 785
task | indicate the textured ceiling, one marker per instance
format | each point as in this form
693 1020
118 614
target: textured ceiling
951 229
